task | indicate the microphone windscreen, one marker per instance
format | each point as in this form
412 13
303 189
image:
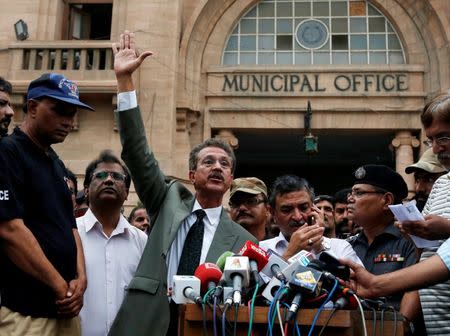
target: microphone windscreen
208 272
256 253
223 258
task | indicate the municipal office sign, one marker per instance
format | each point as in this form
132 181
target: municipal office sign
315 82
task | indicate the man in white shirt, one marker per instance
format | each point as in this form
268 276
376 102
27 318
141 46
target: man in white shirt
112 247
301 223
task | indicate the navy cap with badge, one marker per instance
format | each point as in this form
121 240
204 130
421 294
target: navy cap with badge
56 86
382 177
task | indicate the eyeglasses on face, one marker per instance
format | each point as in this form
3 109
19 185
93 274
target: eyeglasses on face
103 175
441 141
249 202
361 193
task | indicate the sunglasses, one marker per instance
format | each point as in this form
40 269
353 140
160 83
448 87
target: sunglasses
103 175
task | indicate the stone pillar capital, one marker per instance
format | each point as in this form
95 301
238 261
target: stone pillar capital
229 138
405 138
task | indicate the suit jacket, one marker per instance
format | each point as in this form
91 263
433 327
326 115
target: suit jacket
145 309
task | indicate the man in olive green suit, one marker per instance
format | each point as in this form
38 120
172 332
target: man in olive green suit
145 310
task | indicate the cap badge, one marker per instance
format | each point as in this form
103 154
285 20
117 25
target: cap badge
71 86
360 173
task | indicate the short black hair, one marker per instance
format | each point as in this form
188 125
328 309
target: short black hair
105 156
289 183
341 196
71 176
211 142
327 198
5 86
136 208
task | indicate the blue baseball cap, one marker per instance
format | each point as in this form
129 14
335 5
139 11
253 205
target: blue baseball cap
56 86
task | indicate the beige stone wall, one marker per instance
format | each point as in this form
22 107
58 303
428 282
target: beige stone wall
179 88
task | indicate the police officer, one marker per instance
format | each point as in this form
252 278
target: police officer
380 245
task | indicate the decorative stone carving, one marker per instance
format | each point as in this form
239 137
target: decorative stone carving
186 118
228 137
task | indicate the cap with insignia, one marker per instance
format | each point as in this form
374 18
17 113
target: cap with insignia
383 177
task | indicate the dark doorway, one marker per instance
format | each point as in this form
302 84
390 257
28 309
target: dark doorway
268 154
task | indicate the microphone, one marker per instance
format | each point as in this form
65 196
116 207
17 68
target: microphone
237 271
333 266
306 281
223 258
209 275
257 256
186 289
274 266
343 296
221 264
304 257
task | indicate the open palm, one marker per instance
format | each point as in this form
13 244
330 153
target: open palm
126 58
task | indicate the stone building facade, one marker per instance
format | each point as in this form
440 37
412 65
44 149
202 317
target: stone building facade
245 70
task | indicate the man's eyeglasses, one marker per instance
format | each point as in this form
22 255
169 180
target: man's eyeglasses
249 202
361 193
441 141
103 175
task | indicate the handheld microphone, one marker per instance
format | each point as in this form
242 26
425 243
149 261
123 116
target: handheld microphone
186 289
257 256
209 275
343 296
237 271
274 266
223 258
304 257
306 281
333 266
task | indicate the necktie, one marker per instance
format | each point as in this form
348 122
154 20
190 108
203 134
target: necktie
192 249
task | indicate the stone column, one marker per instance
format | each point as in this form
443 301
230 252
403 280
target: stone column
403 144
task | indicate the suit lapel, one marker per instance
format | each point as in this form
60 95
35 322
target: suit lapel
224 239
180 214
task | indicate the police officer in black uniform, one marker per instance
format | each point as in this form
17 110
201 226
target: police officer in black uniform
380 246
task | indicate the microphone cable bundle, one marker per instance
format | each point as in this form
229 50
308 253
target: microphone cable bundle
256 277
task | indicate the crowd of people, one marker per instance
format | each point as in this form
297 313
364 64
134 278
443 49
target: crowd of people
73 264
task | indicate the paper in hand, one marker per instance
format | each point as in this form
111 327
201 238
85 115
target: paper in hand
408 212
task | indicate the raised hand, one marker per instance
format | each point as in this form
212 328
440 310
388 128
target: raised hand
127 59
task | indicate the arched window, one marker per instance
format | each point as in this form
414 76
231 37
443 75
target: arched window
306 32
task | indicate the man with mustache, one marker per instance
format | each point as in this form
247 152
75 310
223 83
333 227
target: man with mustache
112 246
426 171
248 205
436 225
6 111
189 229
43 276
301 222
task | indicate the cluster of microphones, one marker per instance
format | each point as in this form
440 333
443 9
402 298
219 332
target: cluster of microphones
300 282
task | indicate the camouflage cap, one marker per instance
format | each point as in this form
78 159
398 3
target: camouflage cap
249 185
427 162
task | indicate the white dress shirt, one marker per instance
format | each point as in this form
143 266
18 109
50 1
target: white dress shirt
339 248
127 100
211 221
110 265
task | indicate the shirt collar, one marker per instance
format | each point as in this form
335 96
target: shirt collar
91 221
213 214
